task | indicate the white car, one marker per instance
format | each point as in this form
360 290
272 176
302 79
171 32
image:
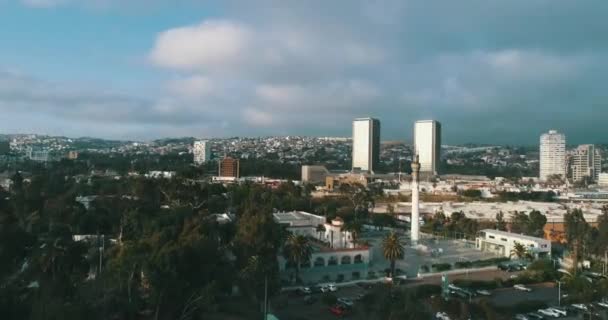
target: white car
521 287
603 304
324 289
549 312
332 287
442 316
483 292
521 317
580 306
453 287
560 311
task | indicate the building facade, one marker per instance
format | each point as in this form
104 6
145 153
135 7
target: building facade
366 144
603 179
333 248
427 145
314 174
201 151
502 243
229 168
552 155
586 162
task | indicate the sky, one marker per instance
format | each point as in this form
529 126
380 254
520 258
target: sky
491 71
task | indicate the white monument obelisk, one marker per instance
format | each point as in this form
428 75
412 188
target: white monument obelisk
415 219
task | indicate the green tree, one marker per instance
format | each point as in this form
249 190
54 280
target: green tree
392 249
576 228
501 224
297 250
519 251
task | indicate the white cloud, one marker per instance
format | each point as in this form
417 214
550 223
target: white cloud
196 86
257 118
209 45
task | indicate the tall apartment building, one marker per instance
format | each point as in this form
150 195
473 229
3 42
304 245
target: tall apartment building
366 144
586 162
229 168
552 155
201 151
427 145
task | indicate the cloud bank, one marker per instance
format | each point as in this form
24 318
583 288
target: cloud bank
495 72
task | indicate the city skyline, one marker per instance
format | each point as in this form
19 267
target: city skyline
265 69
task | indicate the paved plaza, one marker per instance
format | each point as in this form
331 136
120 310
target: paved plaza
429 251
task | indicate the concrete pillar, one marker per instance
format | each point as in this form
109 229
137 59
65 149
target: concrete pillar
415 230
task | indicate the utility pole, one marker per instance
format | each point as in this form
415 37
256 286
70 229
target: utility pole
265 297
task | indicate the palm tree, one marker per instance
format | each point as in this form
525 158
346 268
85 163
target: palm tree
297 249
355 230
392 249
520 251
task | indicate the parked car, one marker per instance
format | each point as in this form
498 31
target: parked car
521 287
549 312
534 316
324 289
580 306
332 287
338 310
316 289
483 292
442 316
346 302
521 317
602 304
306 290
561 311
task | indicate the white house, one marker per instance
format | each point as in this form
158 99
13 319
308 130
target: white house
502 243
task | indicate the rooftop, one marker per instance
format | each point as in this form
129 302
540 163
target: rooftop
510 234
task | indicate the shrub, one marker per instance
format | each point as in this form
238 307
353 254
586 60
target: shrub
439 267
488 262
463 264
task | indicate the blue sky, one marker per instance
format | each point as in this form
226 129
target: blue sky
490 71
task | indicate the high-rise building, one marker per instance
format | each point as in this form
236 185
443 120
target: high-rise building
201 151
229 168
366 144
427 145
552 155
586 162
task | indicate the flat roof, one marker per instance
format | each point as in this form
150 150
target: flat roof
293 216
510 234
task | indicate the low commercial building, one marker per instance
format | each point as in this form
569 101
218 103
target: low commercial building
502 243
333 248
314 174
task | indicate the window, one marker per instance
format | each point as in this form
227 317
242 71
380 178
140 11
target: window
491 237
503 239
